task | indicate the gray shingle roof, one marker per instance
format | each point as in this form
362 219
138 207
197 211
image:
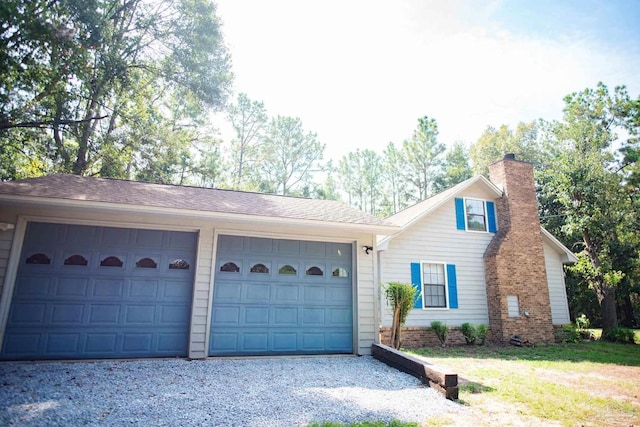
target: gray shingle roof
101 190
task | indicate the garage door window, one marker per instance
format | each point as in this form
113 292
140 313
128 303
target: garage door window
340 272
178 264
146 263
111 261
260 268
315 271
38 258
76 260
230 267
287 270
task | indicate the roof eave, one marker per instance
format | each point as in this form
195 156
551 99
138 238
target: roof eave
208 215
468 183
568 256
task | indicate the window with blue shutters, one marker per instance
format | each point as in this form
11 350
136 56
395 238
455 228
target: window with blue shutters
436 285
475 215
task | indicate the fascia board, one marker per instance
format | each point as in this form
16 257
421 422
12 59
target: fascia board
569 256
468 183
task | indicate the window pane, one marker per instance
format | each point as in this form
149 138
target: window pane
434 296
433 274
475 215
476 222
475 207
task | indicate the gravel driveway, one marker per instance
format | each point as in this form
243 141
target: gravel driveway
242 392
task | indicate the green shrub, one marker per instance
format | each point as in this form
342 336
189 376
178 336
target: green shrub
474 333
621 335
470 333
481 333
569 334
582 322
441 330
401 296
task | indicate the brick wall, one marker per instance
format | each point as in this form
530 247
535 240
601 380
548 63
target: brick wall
417 337
514 260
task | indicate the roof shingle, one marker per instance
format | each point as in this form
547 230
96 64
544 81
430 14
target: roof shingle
103 190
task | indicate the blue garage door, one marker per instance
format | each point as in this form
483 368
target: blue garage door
276 296
101 292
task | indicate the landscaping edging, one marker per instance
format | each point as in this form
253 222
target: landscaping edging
436 377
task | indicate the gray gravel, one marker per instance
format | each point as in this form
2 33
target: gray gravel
241 392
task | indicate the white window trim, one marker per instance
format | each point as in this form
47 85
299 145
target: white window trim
486 217
446 285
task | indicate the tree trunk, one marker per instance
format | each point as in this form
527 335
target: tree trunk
609 312
395 329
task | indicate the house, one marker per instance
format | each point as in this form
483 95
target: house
104 268
477 253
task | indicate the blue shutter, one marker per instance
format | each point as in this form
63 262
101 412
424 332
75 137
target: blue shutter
491 217
416 281
453 286
460 220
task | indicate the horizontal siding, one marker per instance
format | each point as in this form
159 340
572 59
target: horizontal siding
365 296
557 289
436 239
202 289
6 238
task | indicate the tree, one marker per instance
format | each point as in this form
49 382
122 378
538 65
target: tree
249 121
422 156
401 297
288 156
455 168
526 142
393 172
72 68
587 181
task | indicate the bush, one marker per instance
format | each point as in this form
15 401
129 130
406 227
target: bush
621 335
474 333
401 297
469 332
569 333
441 330
481 333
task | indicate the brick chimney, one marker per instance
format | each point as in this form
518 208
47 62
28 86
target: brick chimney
516 276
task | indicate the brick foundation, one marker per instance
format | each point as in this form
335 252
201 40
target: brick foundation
514 260
417 337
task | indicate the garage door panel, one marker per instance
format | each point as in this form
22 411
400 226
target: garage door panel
72 287
255 292
101 343
287 310
140 314
62 343
124 308
32 286
144 289
67 314
285 341
256 315
101 314
285 293
28 313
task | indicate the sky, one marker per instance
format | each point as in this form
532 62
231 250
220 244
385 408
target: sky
361 73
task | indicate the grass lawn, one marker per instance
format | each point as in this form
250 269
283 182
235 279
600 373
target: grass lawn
591 383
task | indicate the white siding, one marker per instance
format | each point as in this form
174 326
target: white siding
557 289
365 294
6 237
436 239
